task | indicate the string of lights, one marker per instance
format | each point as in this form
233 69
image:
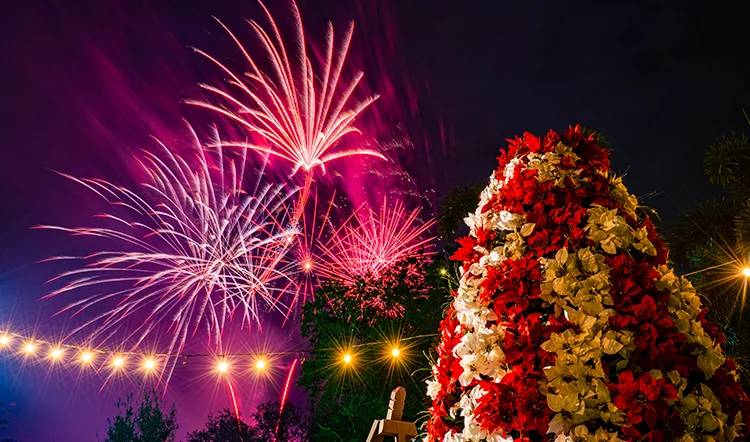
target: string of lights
149 363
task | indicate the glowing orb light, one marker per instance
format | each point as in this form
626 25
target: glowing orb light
29 348
746 271
149 364
56 353
347 358
261 364
86 358
118 362
395 352
222 366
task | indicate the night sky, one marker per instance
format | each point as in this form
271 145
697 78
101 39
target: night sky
83 86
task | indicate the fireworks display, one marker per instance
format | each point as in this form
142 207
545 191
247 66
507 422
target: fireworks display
194 246
216 243
371 241
302 113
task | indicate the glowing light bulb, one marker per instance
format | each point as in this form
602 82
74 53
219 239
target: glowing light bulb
86 357
29 348
746 271
5 340
118 362
56 353
261 364
347 358
222 366
443 272
149 364
395 352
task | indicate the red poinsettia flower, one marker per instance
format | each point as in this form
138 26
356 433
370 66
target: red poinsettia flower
645 400
466 252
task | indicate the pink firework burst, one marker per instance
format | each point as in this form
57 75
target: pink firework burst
370 242
301 108
187 250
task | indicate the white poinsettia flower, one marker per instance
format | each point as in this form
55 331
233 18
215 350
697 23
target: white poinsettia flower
473 221
433 388
508 221
471 315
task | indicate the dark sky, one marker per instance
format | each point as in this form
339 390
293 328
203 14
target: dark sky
83 85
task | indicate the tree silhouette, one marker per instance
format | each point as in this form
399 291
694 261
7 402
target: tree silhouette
266 426
148 424
290 426
225 427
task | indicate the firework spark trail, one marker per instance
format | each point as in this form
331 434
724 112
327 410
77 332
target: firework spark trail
302 113
370 241
192 250
285 393
235 403
314 228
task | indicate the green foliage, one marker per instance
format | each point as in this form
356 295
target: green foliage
149 424
227 427
347 400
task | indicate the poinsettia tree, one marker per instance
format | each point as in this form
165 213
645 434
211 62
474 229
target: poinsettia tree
568 322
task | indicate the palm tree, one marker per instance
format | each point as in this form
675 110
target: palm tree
711 242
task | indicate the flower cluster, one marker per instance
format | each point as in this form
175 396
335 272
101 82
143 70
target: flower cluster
568 323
